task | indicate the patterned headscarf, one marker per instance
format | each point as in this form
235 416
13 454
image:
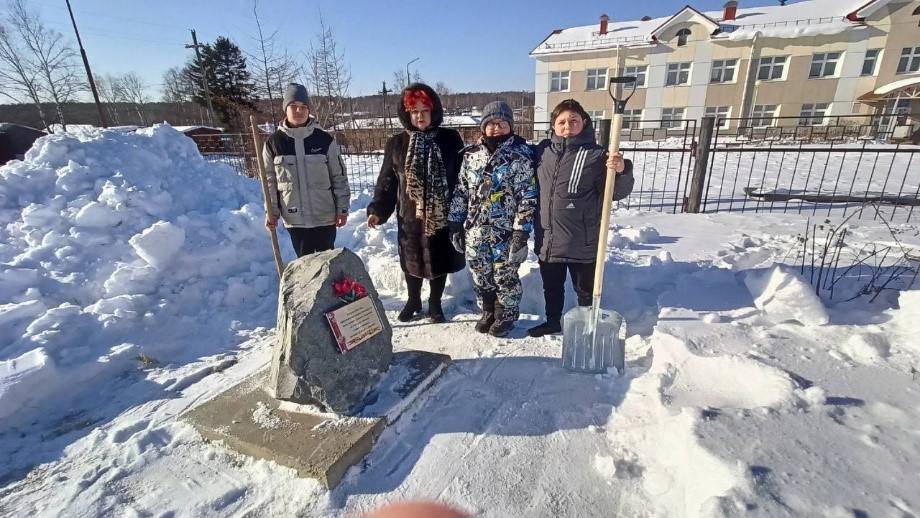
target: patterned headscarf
426 180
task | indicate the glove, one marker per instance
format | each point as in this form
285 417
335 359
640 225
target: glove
519 248
457 236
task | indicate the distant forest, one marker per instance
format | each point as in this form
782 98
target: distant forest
190 113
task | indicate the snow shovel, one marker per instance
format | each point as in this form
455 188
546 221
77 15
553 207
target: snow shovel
592 338
257 141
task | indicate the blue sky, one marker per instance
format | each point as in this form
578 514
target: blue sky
476 45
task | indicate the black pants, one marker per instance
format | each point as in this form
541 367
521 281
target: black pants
414 284
553 275
309 240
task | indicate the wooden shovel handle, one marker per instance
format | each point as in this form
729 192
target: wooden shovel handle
257 142
615 126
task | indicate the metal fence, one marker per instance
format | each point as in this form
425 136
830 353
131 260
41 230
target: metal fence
831 165
828 166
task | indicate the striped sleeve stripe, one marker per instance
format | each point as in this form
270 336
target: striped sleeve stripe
577 169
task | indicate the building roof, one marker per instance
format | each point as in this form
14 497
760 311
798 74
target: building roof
805 18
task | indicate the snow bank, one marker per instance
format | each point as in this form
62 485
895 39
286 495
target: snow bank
783 295
110 238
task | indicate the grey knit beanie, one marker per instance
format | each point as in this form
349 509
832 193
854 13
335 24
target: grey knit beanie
295 92
496 110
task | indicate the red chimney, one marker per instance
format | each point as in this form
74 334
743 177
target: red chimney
731 9
604 19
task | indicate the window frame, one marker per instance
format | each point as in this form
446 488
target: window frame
553 77
808 114
874 60
637 74
771 67
822 60
909 61
672 117
683 67
595 77
683 36
632 118
716 111
723 67
762 116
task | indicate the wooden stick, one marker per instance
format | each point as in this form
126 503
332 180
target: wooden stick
257 141
615 126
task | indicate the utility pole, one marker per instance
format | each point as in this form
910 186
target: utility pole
89 74
204 76
386 106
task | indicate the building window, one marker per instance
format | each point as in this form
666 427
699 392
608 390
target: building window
894 112
596 115
631 118
678 74
720 113
771 68
638 72
682 36
870 62
672 118
762 115
824 64
723 71
910 60
559 81
812 114
596 79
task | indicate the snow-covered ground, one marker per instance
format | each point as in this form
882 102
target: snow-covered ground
137 282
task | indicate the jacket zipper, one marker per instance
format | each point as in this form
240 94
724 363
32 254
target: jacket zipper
297 161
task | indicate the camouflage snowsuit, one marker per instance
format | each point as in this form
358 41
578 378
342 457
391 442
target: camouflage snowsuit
496 194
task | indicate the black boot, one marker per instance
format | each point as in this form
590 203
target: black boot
435 312
503 322
488 312
551 326
412 308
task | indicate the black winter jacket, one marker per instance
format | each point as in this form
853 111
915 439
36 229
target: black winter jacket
571 173
419 255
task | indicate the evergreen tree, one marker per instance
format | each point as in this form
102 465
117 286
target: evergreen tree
228 79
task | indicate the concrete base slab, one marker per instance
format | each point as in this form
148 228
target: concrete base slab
317 445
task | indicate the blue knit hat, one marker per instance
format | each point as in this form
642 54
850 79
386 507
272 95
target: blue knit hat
496 110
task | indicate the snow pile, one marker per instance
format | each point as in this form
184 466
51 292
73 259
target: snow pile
784 296
113 244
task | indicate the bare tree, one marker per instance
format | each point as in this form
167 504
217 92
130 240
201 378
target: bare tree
135 92
328 74
399 81
272 68
49 55
177 91
18 78
110 93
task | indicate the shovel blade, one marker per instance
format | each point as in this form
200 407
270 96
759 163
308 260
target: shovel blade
593 349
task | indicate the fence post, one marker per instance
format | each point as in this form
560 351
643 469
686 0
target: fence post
604 132
700 168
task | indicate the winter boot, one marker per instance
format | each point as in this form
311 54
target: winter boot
551 326
488 312
503 322
409 311
435 312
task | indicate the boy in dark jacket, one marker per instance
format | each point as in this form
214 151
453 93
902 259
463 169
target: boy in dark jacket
571 172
